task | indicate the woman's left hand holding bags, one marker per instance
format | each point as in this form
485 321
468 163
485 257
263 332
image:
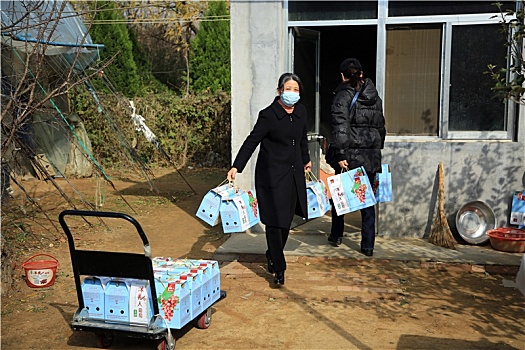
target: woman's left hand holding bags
308 166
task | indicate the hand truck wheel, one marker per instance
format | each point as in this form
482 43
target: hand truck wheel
104 340
204 320
167 343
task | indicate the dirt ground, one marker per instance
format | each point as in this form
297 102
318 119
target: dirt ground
325 303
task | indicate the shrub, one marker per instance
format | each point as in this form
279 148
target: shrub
193 130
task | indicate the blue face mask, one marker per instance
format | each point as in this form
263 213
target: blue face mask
290 98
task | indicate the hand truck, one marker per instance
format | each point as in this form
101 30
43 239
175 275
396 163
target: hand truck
120 265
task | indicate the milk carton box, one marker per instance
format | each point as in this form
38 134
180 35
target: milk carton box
173 296
140 302
116 298
93 296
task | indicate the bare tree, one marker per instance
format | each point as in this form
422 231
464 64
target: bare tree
45 53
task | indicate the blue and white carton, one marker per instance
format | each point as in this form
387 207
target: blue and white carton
211 202
202 272
116 298
351 190
382 185
173 296
215 278
317 199
517 211
211 277
194 282
93 295
239 212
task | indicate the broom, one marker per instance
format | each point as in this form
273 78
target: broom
440 233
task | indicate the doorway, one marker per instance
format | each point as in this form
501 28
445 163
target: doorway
334 45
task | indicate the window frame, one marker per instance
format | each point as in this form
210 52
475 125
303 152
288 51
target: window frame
448 22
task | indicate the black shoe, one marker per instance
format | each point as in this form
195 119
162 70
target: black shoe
336 241
279 277
367 252
270 263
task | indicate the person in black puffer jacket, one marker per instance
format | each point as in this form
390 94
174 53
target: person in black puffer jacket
357 139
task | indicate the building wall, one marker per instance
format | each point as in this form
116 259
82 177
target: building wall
489 171
257 60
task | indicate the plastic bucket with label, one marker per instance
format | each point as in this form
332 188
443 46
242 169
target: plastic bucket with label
40 273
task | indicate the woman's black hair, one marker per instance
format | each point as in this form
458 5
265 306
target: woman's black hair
355 79
352 70
287 77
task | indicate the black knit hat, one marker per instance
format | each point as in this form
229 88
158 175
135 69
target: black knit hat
350 63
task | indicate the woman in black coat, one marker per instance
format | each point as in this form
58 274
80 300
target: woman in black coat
283 157
358 137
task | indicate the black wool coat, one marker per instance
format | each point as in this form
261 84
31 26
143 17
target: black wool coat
282 156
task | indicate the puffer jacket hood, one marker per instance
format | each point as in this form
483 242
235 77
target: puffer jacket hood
368 95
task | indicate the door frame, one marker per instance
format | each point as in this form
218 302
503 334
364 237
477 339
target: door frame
315 37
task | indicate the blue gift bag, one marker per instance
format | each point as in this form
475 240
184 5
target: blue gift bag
517 212
316 197
382 185
351 190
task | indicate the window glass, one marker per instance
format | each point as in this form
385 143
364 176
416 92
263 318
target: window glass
413 60
472 105
331 10
422 8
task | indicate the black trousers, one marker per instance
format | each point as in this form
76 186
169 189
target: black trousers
276 237
368 223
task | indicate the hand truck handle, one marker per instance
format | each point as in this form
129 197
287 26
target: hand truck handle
103 214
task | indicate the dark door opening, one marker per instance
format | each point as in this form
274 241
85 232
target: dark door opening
337 44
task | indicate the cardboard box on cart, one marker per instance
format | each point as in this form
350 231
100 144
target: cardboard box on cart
173 296
210 279
194 281
140 301
93 296
195 267
116 299
203 275
202 278
215 277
